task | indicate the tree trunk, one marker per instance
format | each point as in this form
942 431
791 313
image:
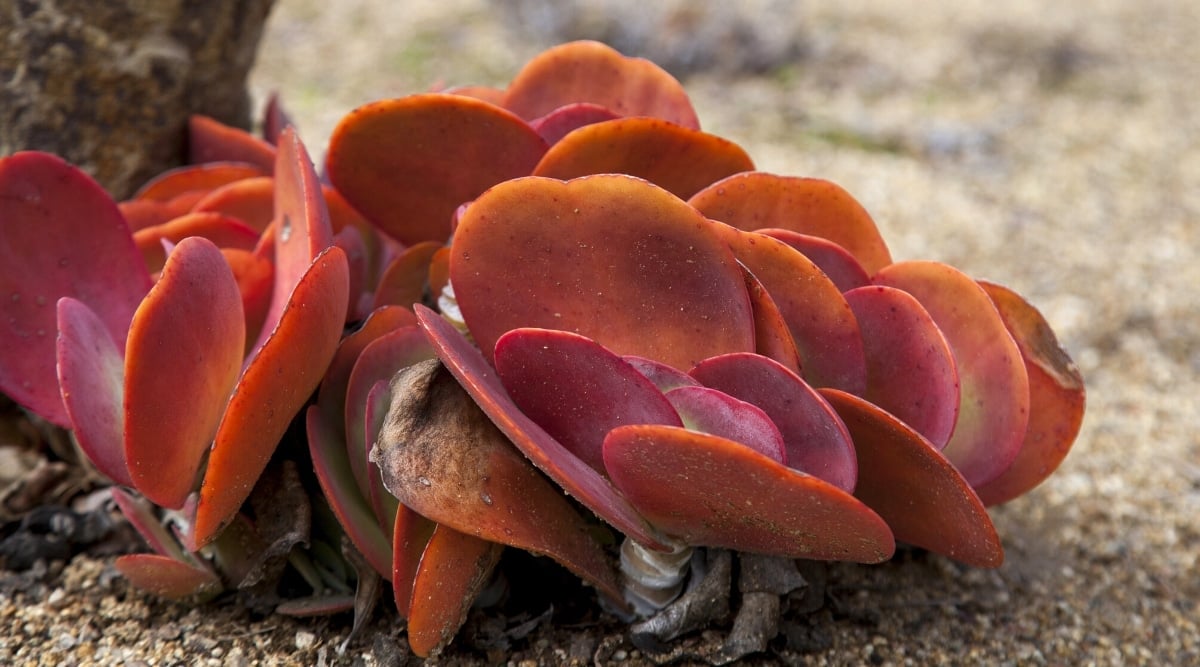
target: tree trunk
109 84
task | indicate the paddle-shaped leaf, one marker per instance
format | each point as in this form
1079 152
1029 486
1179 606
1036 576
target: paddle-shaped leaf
994 387
91 375
676 158
410 534
196 180
576 389
327 447
587 71
578 479
404 280
772 336
224 231
560 122
63 237
816 440
610 257
453 570
442 457
210 140
661 375
182 358
251 200
833 259
706 490
407 163
756 200
166 577
914 488
710 411
274 386
822 324
1057 399
910 369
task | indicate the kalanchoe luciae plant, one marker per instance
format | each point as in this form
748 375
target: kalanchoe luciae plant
699 354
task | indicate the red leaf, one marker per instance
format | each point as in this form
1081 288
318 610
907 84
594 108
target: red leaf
167 577
914 488
559 123
676 158
454 569
609 257
710 411
91 374
224 231
586 71
1057 399
210 140
62 237
196 180
404 280
576 389
910 369
993 410
274 386
411 534
408 163
757 200
834 260
706 490
182 359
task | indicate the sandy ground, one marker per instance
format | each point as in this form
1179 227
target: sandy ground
1054 148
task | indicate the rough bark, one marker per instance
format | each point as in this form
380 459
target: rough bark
109 85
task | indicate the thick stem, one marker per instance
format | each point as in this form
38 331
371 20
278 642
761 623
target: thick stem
652 579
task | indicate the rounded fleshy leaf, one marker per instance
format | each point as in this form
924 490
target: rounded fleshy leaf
757 200
63 237
251 200
834 260
183 355
453 570
578 479
442 457
143 213
822 325
562 121
710 491
676 158
489 94
222 230
710 411
256 280
661 375
406 164
410 534
1057 399
576 389
275 384
610 257
301 228
327 447
196 180
385 505
816 440
332 397
91 376
914 488
772 335
210 140
166 577
142 516
587 71
404 280
993 412
910 368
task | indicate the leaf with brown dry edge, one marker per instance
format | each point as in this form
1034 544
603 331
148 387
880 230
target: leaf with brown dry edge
327 447
676 158
442 457
756 200
576 389
91 376
914 488
821 322
63 237
587 71
274 386
166 577
816 441
709 491
910 369
993 412
408 163
1057 399
575 477
453 570
610 257
183 356
210 140
196 180
224 231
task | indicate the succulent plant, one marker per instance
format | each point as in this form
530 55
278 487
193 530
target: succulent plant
505 315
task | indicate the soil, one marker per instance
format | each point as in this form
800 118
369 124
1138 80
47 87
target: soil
1053 148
